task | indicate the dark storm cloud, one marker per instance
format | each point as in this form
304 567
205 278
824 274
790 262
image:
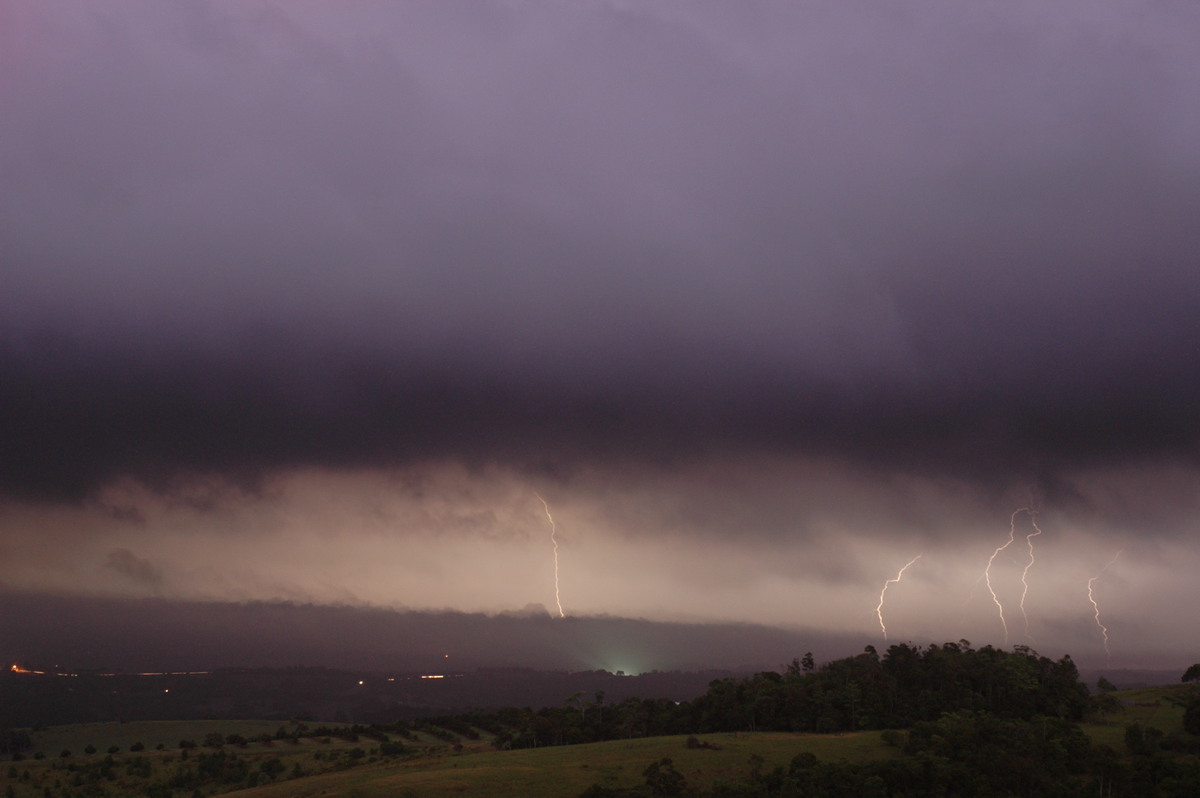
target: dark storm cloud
934 237
129 565
95 633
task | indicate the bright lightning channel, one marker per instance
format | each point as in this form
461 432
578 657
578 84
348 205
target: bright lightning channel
1025 573
1096 607
554 540
899 576
987 572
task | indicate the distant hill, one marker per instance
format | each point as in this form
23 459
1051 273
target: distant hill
1129 679
315 693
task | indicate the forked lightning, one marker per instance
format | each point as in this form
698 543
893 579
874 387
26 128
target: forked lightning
554 540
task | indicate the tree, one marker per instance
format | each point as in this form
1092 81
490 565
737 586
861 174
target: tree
1142 740
1191 717
1192 674
664 780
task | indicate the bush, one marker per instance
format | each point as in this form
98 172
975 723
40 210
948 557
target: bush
389 748
1191 717
664 780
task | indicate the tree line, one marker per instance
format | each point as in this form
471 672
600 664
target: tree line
897 689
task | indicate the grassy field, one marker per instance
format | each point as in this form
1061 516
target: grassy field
1151 706
569 770
430 767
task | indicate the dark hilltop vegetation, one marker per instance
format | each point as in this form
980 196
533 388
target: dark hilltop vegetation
941 720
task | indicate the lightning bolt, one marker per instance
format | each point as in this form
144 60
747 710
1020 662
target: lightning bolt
1025 573
554 540
1096 607
899 576
987 572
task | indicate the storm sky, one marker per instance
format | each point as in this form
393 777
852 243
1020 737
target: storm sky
310 302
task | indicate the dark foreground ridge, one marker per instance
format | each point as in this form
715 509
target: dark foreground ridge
942 720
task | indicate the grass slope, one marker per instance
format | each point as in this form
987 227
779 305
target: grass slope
569 770
1154 707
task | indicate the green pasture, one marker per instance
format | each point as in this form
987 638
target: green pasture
569 770
1153 707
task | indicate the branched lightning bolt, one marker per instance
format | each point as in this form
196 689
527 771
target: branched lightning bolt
987 572
554 540
899 576
1096 607
1025 573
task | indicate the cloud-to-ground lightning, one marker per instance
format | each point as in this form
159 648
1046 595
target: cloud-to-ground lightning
987 571
1096 607
899 576
1025 573
554 540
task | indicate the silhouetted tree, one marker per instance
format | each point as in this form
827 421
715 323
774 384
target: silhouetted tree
664 780
1191 717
